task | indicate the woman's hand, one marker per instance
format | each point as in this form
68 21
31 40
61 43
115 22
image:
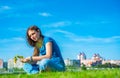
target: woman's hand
24 60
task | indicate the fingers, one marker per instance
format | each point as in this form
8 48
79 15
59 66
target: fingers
22 60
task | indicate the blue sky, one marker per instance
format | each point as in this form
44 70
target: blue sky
89 26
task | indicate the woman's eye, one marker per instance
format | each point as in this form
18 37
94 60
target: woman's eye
32 34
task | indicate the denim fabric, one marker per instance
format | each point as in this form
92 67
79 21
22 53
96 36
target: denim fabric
55 63
43 65
52 65
31 68
55 49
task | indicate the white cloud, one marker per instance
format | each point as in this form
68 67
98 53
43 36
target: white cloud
14 39
78 38
91 22
58 24
45 14
18 39
5 7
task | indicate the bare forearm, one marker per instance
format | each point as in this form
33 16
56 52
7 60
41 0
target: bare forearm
38 58
48 53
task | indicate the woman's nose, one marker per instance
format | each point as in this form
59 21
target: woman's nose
32 36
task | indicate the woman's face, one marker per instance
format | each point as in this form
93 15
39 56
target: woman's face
34 35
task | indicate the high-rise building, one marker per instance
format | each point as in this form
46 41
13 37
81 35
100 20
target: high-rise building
74 62
96 57
10 64
1 63
81 56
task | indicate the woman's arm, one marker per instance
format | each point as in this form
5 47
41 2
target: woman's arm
37 58
48 52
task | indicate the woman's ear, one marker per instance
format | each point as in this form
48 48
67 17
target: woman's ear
38 30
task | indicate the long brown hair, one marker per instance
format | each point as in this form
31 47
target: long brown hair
31 42
36 51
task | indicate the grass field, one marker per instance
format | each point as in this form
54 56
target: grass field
105 73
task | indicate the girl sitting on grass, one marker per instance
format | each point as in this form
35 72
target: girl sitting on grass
46 54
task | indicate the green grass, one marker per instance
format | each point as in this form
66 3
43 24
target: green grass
106 73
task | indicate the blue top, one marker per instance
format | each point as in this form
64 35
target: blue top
56 54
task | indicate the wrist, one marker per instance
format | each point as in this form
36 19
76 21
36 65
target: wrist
31 59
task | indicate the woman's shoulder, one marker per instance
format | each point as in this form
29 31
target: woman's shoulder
47 39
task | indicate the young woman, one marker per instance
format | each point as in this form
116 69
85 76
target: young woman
46 54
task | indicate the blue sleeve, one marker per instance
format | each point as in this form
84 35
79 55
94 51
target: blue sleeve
47 39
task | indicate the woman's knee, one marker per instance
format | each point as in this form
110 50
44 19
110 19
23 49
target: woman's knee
43 61
43 64
27 67
31 69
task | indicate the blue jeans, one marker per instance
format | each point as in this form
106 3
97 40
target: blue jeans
43 65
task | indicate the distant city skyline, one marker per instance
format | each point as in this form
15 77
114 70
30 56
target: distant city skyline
89 26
